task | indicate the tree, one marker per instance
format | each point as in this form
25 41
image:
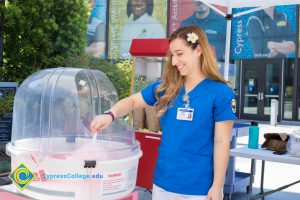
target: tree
41 34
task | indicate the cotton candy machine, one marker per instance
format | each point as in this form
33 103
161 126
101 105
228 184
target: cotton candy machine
53 153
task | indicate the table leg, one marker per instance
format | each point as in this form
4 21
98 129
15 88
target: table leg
251 179
262 178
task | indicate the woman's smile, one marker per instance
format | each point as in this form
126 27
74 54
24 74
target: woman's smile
180 67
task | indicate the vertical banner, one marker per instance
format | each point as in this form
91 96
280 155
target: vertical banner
7 94
267 33
188 12
179 11
96 28
134 19
299 32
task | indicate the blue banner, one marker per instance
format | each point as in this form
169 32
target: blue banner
96 28
267 33
7 93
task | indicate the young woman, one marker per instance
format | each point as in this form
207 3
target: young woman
196 109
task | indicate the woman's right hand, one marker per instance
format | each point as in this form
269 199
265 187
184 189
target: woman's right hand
100 122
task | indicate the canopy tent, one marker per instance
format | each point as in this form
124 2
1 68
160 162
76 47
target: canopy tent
254 5
250 3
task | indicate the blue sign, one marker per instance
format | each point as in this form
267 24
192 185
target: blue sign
96 29
7 93
267 33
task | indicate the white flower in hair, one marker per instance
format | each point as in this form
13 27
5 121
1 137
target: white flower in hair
193 37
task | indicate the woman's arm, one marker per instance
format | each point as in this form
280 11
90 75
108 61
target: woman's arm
221 156
120 109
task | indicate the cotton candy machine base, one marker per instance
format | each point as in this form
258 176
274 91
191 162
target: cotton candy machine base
96 174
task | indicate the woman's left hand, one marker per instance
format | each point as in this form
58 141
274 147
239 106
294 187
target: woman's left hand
215 193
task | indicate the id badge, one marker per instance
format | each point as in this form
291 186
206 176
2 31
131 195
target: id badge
185 114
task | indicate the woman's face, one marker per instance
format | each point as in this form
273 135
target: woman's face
184 57
138 7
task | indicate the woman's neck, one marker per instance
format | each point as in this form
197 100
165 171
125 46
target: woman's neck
192 81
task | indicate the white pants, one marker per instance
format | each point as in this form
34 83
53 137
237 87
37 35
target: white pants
161 194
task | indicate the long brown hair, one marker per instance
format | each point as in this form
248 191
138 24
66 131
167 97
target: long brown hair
172 81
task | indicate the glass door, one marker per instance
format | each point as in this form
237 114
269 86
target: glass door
272 85
250 89
260 84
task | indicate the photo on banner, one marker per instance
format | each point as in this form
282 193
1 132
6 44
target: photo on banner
188 12
134 19
299 33
267 33
96 28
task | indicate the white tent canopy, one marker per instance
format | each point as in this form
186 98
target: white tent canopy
250 3
230 4
255 4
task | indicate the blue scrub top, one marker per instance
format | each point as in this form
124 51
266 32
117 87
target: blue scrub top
185 160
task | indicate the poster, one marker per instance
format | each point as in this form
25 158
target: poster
96 28
267 33
187 12
7 93
134 19
299 33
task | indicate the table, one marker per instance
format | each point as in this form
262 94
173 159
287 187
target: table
263 155
9 192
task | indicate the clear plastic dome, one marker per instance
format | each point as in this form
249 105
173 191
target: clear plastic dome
53 109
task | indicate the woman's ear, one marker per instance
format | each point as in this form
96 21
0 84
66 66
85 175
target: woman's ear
198 50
